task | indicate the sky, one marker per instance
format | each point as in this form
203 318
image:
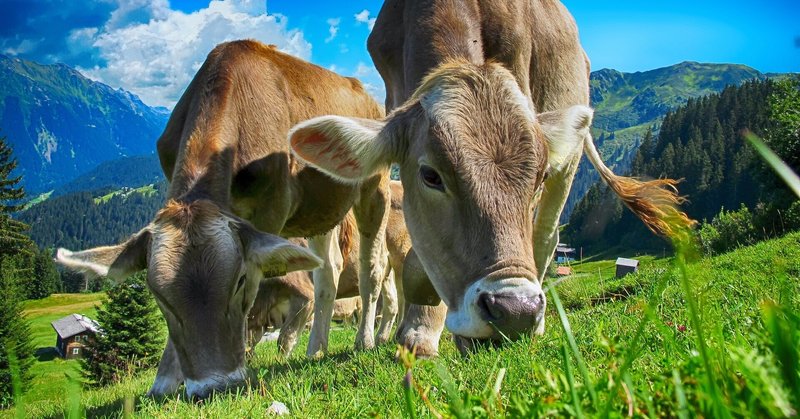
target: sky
153 47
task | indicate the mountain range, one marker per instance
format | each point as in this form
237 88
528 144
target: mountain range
62 124
73 134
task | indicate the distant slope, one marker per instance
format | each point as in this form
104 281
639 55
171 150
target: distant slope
627 104
85 219
131 172
62 124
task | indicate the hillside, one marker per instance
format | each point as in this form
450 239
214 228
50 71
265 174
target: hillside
641 350
702 143
81 220
627 104
62 125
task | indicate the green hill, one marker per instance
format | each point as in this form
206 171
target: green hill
627 104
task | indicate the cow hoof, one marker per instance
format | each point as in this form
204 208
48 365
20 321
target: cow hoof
421 345
363 345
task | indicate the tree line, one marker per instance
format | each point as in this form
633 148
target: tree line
702 143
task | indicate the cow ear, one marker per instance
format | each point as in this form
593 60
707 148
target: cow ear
275 256
565 131
347 149
116 262
417 287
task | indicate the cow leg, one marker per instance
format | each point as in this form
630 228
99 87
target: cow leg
421 329
371 211
169 376
389 310
326 280
299 312
545 226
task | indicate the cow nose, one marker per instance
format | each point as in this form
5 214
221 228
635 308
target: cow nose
513 315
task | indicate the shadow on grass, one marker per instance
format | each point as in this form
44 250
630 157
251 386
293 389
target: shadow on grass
46 353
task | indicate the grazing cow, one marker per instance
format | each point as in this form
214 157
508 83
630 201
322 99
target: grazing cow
232 180
489 119
285 302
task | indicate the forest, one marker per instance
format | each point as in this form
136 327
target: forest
703 144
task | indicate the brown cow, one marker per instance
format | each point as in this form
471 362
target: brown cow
285 302
489 121
225 153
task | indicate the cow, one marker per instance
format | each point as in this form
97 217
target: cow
285 302
235 189
488 121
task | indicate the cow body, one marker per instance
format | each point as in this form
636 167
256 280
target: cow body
284 302
488 122
235 188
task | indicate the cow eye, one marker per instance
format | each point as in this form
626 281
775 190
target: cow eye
241 283
430 178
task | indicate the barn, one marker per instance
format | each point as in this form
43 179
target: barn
73 332
626 266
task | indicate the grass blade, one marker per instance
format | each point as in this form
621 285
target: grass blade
562 315
781 168
576 401
680 396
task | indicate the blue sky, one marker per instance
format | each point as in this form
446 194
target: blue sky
154 47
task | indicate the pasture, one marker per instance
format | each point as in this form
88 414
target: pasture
714 337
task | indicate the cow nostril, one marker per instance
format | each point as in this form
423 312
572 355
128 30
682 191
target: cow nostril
487 303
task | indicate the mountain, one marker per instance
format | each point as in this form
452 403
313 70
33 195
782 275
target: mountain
130 172
81 220
62 124
627 104
702 142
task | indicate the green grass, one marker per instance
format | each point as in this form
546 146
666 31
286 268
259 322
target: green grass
38 199
49 371
145 190
728 347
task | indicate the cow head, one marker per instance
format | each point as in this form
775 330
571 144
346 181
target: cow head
473 156
204 267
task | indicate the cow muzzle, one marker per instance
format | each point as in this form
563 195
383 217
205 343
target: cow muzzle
498 309
215 383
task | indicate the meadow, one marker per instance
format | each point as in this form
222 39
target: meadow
685 336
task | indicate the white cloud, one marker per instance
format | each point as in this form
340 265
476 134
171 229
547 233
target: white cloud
333 28
156 55
363 17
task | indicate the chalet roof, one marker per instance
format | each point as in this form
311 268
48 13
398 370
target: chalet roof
565 249
627 262
74 324
563 270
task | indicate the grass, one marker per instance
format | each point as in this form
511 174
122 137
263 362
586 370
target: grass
145 190
713 337
49 371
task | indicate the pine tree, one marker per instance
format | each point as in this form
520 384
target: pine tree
12 237
16 350
132 333
46 279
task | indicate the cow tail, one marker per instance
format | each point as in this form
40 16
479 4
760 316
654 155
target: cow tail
347 232
655 202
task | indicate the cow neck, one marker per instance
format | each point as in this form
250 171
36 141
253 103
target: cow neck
207 176
443 31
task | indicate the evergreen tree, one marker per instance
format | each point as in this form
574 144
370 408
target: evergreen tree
16 350
12 237
46 279
132 333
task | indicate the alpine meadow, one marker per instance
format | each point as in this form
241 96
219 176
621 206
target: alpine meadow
393 208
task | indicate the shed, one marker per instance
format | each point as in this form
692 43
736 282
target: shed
564 253
73 332
626 266
563 271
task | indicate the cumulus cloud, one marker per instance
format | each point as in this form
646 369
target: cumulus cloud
333 28
156 54
363 17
